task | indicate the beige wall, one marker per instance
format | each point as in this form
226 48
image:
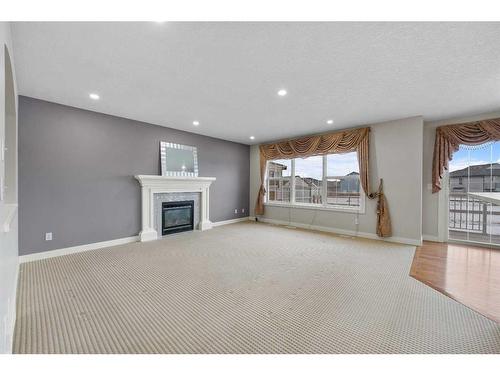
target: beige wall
396 156
390 142
430 210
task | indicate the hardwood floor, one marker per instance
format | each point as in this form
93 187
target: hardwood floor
468 274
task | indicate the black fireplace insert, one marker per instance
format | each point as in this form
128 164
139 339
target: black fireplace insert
177 217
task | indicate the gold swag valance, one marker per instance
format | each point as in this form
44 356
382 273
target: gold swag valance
332 143
450 137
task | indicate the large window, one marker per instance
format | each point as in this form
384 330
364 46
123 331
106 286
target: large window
330 182
279 174
309 180
342 179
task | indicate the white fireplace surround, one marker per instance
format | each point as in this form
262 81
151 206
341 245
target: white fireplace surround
151 185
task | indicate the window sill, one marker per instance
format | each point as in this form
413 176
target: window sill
360 210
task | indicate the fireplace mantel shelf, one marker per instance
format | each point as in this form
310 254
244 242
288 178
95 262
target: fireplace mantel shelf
151 184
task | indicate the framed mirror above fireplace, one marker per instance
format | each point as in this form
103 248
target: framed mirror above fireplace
178 160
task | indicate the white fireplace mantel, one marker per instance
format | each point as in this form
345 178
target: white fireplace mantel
151 185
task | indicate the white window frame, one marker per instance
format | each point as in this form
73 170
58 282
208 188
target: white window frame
318 206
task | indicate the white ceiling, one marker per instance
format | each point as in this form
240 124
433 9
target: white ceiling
226 75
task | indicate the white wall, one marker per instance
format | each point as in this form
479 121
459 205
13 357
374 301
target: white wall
432 223
396 156
9 260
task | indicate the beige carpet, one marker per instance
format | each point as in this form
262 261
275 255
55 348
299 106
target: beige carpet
242 288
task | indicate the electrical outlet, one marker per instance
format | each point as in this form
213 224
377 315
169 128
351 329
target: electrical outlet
242 210
235 210
48 236
356 221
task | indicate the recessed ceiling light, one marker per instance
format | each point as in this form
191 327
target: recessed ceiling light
196 123
94 96
329 122
252 137
282 92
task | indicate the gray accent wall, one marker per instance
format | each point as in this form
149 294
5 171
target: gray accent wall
76 171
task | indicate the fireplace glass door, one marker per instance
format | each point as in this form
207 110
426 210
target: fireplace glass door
177 217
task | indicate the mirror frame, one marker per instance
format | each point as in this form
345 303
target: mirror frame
163 157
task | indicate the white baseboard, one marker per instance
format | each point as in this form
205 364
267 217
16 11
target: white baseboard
428 237
122 241
231 221
345 232
100 245
76 249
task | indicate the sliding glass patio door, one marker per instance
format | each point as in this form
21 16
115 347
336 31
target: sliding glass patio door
474 194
